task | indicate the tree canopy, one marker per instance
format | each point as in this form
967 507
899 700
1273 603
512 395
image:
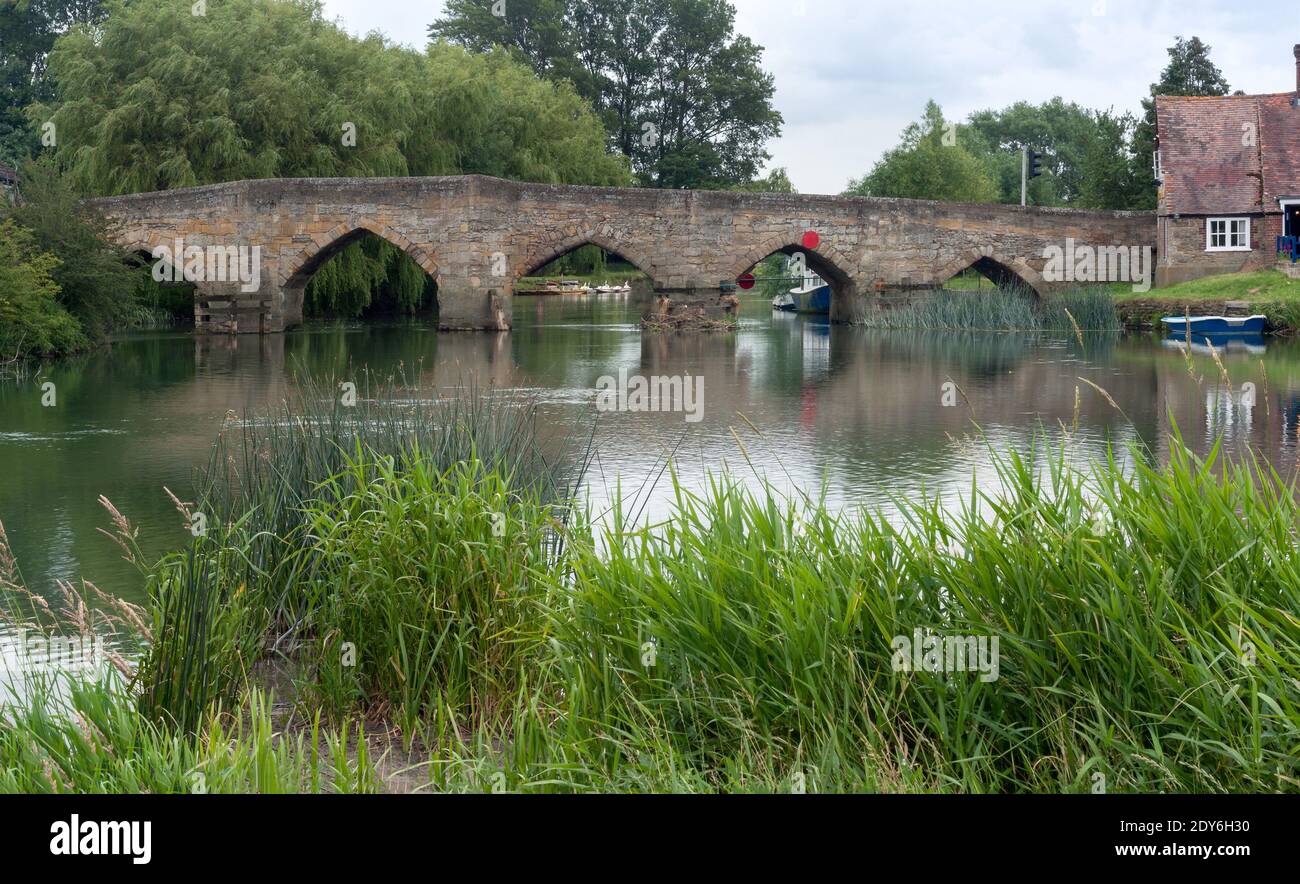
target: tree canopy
31 319
680 93
931 163
28 29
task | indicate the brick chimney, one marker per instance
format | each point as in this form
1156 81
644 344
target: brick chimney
1296 52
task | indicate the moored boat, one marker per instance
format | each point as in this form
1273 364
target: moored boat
813 295
1200 326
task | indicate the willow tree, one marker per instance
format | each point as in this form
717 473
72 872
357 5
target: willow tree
158 97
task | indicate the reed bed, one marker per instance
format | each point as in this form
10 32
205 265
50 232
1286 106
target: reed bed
85 736
1147 627
1002 309
259 577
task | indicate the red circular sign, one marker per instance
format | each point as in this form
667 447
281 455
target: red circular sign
745 280
811 240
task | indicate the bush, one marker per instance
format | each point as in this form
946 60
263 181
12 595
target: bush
96 283
32 321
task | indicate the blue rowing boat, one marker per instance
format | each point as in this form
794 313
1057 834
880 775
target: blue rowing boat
1215 325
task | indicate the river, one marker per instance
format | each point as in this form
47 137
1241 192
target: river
864 413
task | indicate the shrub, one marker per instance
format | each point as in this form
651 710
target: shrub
32 321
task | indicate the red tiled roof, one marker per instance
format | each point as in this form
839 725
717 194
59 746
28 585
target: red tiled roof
1232 154
1279 146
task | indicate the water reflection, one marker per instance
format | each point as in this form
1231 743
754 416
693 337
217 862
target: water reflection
861 411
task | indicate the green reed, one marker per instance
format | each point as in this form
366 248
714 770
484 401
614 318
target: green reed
1093 309
253 582
84 735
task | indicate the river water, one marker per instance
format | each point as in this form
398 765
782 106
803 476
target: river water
864 413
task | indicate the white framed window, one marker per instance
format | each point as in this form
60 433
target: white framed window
1158 167
1227 235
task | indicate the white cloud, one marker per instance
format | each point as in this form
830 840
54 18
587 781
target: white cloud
851 74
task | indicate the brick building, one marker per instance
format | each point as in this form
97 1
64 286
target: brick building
1229 173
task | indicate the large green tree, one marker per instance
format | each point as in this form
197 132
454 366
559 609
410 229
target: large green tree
680 93
1087 158
158 97
1189 72
28 29
1060 130
1109 179
931 162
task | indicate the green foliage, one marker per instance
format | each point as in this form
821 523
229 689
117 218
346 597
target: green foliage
588 260
1060 130
96 283
261 88
1154 644
1110 179
28 29
679 92
1092 308
32 321
75 736
775 181
1088 158
924 166
349 283
428 600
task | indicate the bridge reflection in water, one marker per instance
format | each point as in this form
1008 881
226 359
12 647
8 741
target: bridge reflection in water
861 410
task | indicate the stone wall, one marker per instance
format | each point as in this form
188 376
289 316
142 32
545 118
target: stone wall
476 236
1183 256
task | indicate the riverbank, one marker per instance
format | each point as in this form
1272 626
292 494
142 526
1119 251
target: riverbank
1267 292
425 582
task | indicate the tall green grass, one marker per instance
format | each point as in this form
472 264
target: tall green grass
74 735
427 601
256 579
1147 625
1002 309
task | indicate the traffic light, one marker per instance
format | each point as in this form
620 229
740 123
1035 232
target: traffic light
1035 164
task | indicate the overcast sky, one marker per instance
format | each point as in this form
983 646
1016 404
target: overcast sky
851 74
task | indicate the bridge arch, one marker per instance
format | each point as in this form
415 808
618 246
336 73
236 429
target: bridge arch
541 253
1001 271
316 253
826 261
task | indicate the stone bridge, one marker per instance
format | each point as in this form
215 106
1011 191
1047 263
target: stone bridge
476 236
